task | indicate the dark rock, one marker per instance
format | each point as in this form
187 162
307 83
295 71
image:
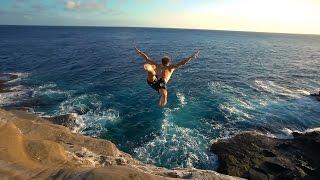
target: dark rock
255 156
67 120
4 78
257 174
80 155
317 96
7 77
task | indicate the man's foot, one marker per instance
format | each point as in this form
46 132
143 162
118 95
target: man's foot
163 98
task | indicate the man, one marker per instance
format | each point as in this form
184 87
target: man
159 74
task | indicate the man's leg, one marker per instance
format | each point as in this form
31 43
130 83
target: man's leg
151 71
163 97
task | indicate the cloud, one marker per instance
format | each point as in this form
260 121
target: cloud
88 6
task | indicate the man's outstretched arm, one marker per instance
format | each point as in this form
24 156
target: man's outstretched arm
145 57
186 60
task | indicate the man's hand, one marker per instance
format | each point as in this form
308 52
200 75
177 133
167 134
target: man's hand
138 50
195 54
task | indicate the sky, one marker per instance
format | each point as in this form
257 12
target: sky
284 16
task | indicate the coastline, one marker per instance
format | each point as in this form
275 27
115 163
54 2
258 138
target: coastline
48 147
34 147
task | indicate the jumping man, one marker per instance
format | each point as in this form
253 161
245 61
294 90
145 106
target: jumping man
159 74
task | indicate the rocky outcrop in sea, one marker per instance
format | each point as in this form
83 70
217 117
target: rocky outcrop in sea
255 156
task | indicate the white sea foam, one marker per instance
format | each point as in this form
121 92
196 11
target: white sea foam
234 104
94 116
96 121
50 90
230 111
286 133
182 99
20 76
272 87
172 140
9 98
18 92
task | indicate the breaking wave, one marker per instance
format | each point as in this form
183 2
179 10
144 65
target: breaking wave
272 87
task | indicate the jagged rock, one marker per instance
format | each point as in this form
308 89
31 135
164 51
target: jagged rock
5 78
67 120
255 156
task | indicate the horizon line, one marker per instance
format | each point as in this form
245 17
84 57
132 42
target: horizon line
154 27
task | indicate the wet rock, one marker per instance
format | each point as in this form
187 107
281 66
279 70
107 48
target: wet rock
316 95
7 77
4 78
255 156
67 120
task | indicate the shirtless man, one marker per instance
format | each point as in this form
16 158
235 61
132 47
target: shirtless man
159 74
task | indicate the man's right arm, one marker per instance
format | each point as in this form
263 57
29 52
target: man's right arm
145 56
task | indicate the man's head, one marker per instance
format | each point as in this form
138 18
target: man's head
166 60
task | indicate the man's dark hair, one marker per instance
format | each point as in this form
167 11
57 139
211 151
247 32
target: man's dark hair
166 60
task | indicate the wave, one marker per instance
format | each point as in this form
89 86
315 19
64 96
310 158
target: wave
272 87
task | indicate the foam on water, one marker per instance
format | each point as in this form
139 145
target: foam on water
50 90
234 104
92 116
10 98
17 92
93 123
272 87
20 76
177 146
182 99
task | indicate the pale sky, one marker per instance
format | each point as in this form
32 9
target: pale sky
286 16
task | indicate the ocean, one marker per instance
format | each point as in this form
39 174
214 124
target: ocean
243 81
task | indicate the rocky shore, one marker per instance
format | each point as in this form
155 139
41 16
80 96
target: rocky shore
33 147
254 156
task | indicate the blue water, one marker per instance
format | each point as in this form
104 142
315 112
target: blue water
242 81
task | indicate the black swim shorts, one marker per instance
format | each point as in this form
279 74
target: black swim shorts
158 84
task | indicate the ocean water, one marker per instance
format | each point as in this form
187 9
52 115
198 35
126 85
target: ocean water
242 81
